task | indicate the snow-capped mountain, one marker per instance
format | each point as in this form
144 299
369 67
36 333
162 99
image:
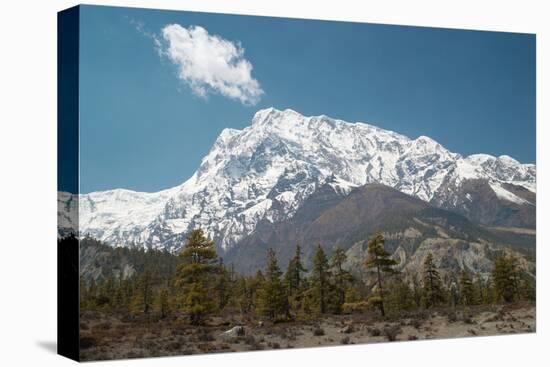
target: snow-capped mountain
266 171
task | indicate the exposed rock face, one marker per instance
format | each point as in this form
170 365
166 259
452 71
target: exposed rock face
411 227
479 200
450 256
97 263
283 179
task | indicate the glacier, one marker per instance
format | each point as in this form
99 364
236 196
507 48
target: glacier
266 170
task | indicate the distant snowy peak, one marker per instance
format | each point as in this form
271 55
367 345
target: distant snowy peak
498 169
265 171
360 153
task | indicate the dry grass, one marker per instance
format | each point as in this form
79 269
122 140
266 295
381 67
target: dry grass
117 336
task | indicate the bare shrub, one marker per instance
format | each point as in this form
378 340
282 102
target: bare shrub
102 326
204 336
173 346
467 319
392 331
416 323
87 342
318 332
250 340
452 317
374 331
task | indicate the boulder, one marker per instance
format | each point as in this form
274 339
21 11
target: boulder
347 329
233 333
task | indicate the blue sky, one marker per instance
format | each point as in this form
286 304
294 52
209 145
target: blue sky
146 129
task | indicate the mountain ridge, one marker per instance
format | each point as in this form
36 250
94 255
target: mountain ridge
265 172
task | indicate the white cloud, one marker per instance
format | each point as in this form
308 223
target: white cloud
209 63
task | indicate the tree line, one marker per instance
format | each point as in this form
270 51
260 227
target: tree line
202 285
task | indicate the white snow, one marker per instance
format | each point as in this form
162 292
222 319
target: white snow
507 195
290 155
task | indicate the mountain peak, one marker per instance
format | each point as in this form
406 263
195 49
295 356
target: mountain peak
272 115
265 172
508 160
261 115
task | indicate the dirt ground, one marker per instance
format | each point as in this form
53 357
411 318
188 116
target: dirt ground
113 337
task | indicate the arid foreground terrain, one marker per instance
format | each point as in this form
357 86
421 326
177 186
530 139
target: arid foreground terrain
109 337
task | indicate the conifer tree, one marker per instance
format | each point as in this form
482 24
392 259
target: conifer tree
84 294
352 294
399 296
162 304
467 290
243 294
306 308
143 295
92 293
490 292
379 259
416 290
107 291
342 278
453 294
273 302
527 288
432 286
293 275
320 280
127 292
223 285
194 277
505 278
480 289
118 300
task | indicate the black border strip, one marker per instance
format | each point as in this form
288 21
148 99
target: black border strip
68 35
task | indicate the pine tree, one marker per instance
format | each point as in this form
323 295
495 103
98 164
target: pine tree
505 277
222 285
480 289
416 290
399 294
293 275
379 259
85 301
527 288
467 291
453 294
143 295
194 277
490 291
118 299
92 294
352 294
342 278
320 280
306 307
432 286
127 290
162 303
273 302
107 292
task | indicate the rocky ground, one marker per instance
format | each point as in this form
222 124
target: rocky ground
113 336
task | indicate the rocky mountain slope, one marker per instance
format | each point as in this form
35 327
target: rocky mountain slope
262 175
412 227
